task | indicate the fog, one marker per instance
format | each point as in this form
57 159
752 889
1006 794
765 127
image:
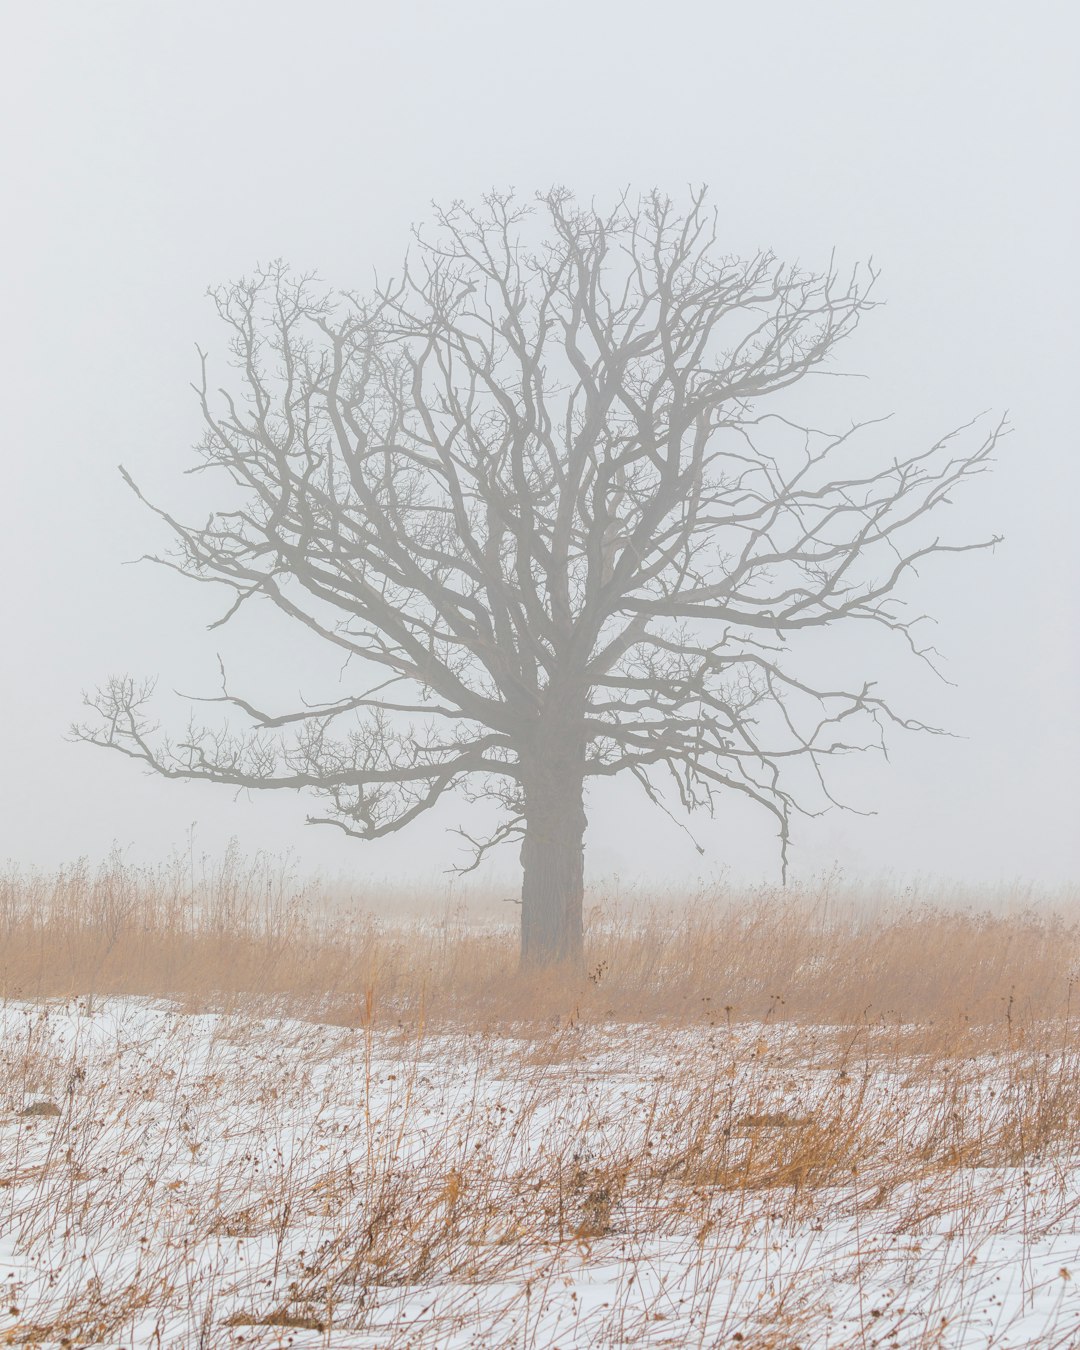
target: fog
151 150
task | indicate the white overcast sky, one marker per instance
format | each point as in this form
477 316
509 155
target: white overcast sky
149 149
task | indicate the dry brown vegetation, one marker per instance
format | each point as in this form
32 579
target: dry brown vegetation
246 932
774 1120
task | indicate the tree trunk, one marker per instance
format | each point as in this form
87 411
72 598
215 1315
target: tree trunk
552 859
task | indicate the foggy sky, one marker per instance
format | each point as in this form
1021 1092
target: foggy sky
152 149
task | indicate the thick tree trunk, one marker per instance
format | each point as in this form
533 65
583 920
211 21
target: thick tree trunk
552 858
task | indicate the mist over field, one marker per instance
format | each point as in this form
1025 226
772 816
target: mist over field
539 674
150 152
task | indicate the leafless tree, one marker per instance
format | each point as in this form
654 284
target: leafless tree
528 487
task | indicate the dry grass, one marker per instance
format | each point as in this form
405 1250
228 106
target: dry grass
817 955
774 1120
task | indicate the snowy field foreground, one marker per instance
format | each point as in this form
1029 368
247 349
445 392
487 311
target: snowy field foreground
227 1180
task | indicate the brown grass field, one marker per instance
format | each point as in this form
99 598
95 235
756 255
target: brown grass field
247 934
237 1111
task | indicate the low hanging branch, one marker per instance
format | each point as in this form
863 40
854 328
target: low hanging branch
528 485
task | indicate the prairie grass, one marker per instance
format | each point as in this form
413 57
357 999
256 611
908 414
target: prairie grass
778 1119
245 932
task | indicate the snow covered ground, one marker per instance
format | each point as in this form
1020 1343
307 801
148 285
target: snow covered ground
233 1180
